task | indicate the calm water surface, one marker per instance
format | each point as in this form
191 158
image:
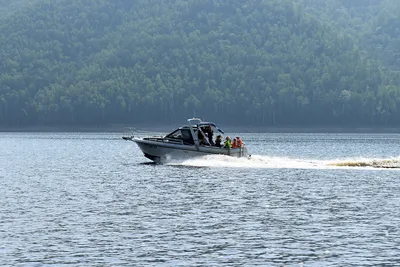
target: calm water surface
92 199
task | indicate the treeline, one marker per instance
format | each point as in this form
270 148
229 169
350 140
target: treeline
264 62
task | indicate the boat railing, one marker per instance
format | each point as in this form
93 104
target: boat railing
153 138
241 151
168 140
164 140
194 121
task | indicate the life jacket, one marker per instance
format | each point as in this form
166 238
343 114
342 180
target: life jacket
227 144
234 144
239 142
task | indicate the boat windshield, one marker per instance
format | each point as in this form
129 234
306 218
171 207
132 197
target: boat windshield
196 122
181 134
210 124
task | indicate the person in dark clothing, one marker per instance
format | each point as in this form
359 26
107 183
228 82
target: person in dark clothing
200 135
218 141
203 142
210 134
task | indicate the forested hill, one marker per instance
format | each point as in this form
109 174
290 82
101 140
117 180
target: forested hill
373 24
247 62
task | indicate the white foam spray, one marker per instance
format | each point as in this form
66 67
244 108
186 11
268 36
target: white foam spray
260 161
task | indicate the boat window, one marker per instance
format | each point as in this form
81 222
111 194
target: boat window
175 135
182 134
187 137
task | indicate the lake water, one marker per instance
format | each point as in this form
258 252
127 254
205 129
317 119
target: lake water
92 199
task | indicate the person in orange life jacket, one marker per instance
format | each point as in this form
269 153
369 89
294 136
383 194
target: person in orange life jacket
234 143
227 143
239 142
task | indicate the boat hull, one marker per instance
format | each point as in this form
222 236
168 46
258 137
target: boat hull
162 152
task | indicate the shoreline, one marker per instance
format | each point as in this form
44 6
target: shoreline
226 128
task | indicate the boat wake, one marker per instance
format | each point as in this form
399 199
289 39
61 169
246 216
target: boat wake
391 163
259 161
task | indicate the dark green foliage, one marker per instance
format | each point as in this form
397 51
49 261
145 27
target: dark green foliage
264 62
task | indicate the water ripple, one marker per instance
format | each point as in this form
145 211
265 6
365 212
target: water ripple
97 202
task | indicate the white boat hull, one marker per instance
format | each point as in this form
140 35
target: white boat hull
187 141
164 151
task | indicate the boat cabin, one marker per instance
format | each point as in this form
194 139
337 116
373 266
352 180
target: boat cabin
188 134
182 135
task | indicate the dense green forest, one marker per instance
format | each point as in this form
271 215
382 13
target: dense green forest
245 62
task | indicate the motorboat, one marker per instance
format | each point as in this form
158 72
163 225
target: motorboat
192 140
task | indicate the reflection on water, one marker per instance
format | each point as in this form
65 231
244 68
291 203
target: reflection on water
93 200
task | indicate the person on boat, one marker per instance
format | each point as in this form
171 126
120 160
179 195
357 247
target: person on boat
227 143
210 134
200 135
218 141
234 143
203 142
239 142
